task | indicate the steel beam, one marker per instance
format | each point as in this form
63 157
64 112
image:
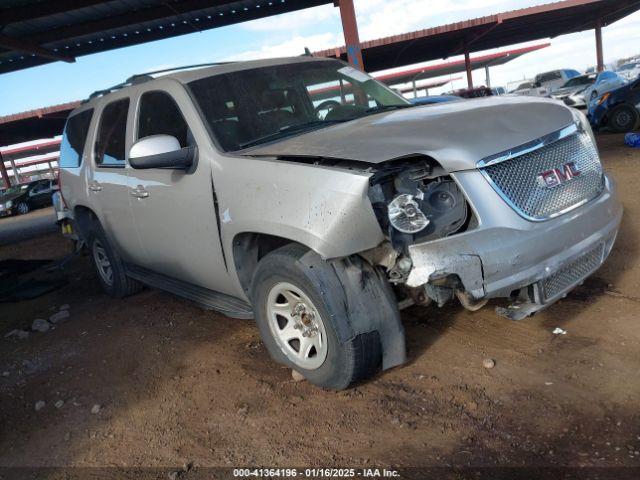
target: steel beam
487 75
467 64
43 9
3 172
27 47
599 51
351 36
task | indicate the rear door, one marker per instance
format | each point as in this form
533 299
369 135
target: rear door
176 215
107 179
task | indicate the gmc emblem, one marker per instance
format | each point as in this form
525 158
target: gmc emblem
559 175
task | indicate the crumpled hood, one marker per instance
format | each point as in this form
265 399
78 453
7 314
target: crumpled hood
456 134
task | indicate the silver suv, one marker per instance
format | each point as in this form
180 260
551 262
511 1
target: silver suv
305 194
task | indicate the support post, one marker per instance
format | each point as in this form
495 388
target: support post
599 53
16 173
351 36
487 76
3 172
415 89
467 64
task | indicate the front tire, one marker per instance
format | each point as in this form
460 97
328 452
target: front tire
623 119
22 208
298 320
109 266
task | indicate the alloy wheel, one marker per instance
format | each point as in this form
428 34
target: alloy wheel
103 264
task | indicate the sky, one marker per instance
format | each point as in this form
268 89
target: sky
316 28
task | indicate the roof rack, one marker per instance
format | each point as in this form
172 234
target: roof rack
145 77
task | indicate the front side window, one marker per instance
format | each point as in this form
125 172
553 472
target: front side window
111 140
159 115
249 107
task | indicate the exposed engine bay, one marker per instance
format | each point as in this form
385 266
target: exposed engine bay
416 201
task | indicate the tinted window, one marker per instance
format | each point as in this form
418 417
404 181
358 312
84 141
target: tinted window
548 77
110 143
74 138
159 114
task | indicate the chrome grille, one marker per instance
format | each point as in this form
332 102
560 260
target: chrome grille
517 178
572 273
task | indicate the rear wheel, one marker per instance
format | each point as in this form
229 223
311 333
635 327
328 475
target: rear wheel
109 266
299 319
22 208
623 119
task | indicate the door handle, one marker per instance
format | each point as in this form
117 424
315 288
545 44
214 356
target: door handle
95 187
139 192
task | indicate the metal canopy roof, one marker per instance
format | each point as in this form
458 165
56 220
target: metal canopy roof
493 31
40 123
34 32
449 68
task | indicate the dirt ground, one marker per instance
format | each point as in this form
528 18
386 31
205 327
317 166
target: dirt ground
177 385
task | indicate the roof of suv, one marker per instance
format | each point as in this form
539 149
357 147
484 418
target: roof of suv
188 75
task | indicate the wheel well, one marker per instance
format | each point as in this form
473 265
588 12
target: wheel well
248 249
84 217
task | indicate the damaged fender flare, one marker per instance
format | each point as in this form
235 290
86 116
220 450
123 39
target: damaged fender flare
367 303
359 295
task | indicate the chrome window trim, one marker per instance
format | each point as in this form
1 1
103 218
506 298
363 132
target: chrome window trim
523 150
530 146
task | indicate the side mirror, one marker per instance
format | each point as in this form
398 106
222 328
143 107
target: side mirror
160 151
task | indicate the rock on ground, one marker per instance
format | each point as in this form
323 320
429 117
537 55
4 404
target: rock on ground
40 325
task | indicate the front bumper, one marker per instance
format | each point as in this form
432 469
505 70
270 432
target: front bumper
575 101
545 259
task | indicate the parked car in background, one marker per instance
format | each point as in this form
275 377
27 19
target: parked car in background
226 186
618 110
629 71
554 79
21 199
528 88
579 91
431 99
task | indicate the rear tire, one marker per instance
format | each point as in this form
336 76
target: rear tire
109 266
623 119
289 301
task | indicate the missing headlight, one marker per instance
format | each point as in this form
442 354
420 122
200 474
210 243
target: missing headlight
417 201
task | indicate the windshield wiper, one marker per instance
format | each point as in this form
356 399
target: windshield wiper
384 108
288 130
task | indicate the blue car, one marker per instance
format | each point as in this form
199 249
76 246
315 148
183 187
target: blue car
429 100
618 110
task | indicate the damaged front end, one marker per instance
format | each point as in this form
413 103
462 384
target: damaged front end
461 235
416 201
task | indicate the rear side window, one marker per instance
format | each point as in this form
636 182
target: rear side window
159 114
111 139
74 138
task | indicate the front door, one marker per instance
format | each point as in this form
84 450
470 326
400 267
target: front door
107 180
174 210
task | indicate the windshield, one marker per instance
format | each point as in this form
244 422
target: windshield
583 80
249 107
14 190
629 66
